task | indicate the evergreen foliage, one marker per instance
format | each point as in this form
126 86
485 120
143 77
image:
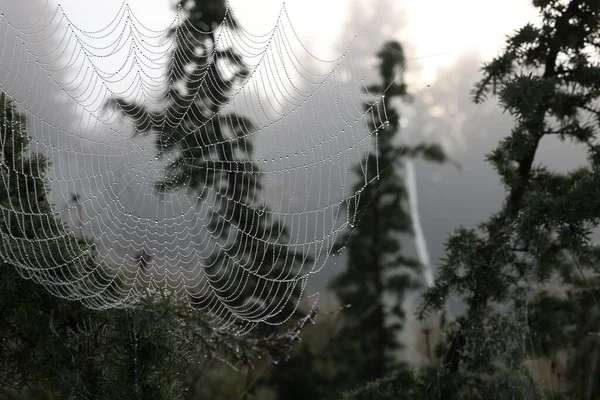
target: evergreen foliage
547 78
377 265
213 160
52 347
362 345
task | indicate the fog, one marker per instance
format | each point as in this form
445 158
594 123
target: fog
113 172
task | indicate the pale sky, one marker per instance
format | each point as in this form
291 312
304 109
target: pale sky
439 29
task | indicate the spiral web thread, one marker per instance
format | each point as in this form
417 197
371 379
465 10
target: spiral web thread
102 178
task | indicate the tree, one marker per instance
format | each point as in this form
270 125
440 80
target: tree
548 79
338 354
214 154
55 346
40 333
367 339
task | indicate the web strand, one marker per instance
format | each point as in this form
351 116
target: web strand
306 128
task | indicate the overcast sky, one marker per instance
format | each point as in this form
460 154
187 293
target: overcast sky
432 26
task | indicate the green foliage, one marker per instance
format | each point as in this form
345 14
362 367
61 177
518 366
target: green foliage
546 78
433 383
52 347
504 270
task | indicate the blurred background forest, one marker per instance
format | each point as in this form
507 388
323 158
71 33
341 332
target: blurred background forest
469 269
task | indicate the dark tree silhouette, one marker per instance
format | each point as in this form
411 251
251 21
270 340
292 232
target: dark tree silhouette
547 78
376 262
214 162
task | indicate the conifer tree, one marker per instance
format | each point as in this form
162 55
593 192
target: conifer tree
548 79
214 154
52 346
377 265
48 342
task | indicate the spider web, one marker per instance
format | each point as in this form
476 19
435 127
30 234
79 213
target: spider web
295 109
